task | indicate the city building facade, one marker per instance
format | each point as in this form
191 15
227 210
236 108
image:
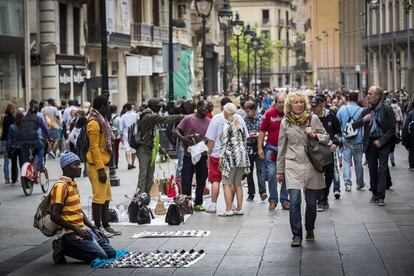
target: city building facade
275 20
353 56
390 33
322 42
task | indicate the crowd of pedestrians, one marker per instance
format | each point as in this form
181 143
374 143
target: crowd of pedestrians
256 141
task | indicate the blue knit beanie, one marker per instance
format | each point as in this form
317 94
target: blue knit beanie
68 158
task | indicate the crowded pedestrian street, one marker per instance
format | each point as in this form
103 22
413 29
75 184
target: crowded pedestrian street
354 237
207 137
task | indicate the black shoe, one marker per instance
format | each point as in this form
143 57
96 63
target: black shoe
374 199
58 256
310 236
263 196
250 198
337 194
109 229
393 164
296 242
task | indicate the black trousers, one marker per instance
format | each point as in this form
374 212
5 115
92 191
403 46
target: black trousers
378 168
187 177
329 176
255 159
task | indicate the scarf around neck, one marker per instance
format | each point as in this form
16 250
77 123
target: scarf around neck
298 120
105 128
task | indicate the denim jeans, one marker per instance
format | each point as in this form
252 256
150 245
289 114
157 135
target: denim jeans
37 148
187 173
354 151
255 159
270 162
180 156
295 214
6 170
87 250
336 180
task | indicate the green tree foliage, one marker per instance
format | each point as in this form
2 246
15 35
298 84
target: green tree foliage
273 53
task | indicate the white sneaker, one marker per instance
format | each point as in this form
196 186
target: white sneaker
212 209
348 188
238 213
226 214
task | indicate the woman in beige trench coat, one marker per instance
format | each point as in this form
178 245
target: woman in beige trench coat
294 166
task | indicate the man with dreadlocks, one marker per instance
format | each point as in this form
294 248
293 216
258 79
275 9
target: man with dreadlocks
100 137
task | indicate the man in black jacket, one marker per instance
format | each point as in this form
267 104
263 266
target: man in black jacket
332 126
378 120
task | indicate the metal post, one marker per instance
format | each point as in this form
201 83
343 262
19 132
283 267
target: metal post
238 64
27 69
170 55
380 42
368 52
104 51
327 61
261 71
105 88
255 73
248 68
409 61
334 58
205 80
225 84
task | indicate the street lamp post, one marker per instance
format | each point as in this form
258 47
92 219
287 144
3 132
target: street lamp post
225 16
261 52
407 8
325 33
249 34
170 55
237 31
203 8
114 178
318 45
255 46
334 55
376 5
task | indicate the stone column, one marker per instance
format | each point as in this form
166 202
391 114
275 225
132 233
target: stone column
122 80
403 68
48 15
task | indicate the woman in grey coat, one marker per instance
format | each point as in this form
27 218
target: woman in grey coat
294 165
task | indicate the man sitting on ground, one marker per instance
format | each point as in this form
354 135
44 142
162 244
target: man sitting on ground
76 240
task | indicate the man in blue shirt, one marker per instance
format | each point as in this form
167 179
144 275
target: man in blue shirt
352 147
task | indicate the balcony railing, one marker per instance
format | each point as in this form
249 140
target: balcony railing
386 39
94 36
149 34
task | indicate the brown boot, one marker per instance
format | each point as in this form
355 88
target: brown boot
272 206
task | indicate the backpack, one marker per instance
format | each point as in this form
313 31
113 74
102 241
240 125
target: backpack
174 215
28 128
115 130
82 144
135 136
349 132
42 220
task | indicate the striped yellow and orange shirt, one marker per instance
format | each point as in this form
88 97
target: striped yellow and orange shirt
66 192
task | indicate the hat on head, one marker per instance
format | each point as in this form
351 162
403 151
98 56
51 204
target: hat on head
317 100
68 158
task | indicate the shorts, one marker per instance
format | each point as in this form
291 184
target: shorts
53 133
101 192
235 176
214 173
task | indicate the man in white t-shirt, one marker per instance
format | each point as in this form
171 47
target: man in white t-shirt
214 143
128 119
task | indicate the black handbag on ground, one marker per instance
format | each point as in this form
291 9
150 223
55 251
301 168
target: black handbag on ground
112 215
133 212
174 215
144 215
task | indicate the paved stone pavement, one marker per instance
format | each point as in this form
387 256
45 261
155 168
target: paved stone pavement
352 238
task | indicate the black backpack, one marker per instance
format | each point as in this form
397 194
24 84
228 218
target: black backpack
28 128
174 215
135 135
82 144
144 215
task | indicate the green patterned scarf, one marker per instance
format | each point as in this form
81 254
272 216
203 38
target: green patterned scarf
156 147
298 120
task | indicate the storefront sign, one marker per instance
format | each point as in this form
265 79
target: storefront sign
110 16
157 64
139 66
